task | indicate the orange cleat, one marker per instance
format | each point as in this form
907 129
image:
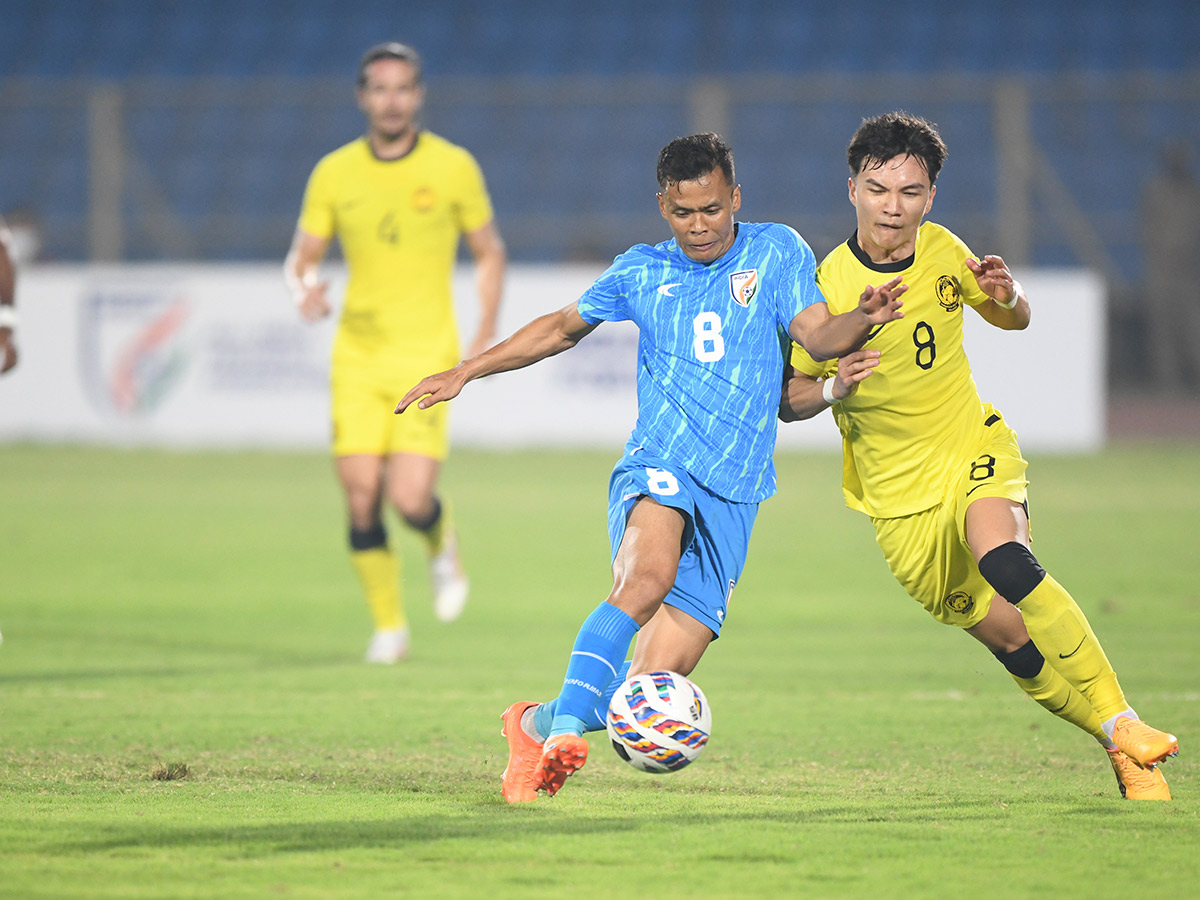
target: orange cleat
563 756
1146 746
519 783
1136 782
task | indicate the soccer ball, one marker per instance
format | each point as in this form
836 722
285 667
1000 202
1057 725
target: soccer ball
658 721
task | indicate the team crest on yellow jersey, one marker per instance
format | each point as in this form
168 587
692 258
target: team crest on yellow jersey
960 602
423 199
743 286
949 293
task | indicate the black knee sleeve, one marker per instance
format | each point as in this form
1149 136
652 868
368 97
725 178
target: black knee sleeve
426 524
1012 570
1024 662
373 537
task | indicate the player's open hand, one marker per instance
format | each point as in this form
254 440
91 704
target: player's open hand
852 369
433 389
882 304
994 278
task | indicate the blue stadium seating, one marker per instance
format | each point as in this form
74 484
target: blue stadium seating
132 38
225 159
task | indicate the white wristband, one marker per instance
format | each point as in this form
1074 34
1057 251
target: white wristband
1013 302
827 391
301 285
8 317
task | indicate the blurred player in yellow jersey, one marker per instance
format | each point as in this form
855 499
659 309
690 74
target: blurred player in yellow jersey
397 199
8 308
939 472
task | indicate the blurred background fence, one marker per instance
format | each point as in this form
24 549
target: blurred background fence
185 131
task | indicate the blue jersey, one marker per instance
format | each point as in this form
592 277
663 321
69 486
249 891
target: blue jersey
711 351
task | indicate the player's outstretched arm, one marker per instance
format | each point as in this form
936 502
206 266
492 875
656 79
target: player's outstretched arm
1009 308
545 336
804 395
826 336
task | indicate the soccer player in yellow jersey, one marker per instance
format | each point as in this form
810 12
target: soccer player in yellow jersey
939 472
397 199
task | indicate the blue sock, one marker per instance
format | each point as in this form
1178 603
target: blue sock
543 716
596 658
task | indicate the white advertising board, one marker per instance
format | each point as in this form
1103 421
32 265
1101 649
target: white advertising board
216 356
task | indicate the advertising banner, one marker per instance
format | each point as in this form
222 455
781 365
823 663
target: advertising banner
217 356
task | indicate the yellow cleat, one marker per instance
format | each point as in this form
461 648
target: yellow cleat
563 756
519 783
1146 746
1137 783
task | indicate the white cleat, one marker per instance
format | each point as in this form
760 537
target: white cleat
450 584
388 647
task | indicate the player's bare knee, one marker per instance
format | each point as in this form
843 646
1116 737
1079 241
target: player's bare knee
1012 570
362 504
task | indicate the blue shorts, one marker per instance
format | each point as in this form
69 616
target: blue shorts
716 532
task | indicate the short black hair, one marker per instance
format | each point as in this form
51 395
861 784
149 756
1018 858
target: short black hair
689 158
390 50
893 134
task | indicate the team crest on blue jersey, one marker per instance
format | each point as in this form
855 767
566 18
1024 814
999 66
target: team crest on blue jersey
949 293
743 286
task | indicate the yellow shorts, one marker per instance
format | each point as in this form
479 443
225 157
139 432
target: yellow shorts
364 422
928 551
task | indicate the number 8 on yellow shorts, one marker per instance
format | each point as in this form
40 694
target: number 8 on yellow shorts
928 552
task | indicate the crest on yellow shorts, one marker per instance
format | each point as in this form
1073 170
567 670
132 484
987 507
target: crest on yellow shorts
960 602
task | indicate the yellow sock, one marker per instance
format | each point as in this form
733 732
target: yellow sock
435 536
1053 692
1061 631
379 571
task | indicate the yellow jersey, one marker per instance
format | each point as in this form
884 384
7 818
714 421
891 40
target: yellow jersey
398 223
910 426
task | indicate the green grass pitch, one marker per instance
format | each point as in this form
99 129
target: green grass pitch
183 712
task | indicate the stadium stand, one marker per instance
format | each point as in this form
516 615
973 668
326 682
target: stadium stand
227 105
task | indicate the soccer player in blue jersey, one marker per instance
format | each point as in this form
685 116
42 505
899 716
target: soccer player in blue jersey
715 307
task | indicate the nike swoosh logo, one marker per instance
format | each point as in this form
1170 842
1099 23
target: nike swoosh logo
1055 712
1073 652
977 487
665 289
